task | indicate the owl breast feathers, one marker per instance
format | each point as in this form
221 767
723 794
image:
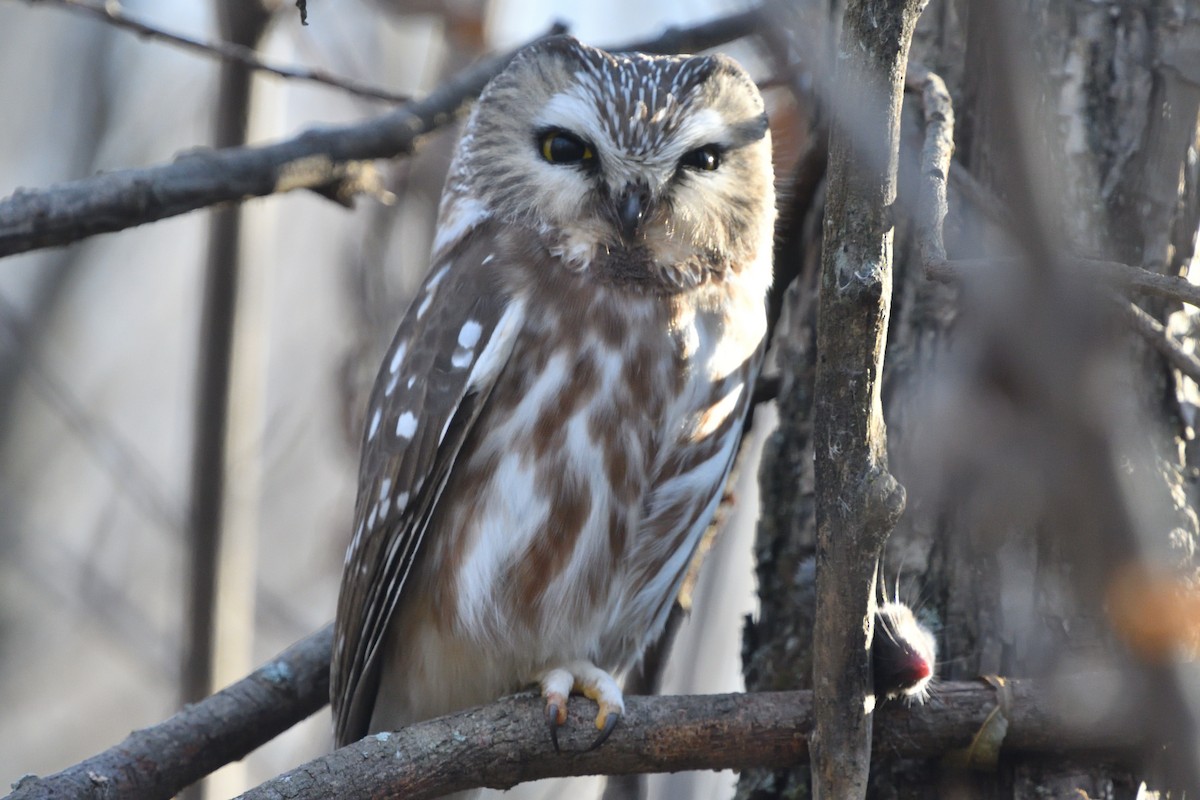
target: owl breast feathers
555 419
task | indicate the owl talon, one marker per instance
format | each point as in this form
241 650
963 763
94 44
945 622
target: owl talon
606 729
552 714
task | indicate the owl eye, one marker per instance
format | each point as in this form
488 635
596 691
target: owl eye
706 158
560 147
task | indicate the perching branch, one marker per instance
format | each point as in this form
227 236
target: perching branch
321 159
112 14
505 742
224 727
858 500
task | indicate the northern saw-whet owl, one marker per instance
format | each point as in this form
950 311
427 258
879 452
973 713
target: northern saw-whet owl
552 427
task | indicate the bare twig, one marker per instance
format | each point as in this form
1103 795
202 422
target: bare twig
858 500
1156 334
112 14
935 161
161 760
1128 280
317 159
209 574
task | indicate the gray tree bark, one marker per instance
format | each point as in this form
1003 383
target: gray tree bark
1046 449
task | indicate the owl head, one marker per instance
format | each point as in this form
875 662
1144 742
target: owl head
633 166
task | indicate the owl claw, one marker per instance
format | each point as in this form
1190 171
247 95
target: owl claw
606 728
595 684
552 723
556 711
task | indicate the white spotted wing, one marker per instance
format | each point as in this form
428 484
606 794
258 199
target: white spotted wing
442 364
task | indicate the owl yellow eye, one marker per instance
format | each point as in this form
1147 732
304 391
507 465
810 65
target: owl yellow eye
560 147
706 158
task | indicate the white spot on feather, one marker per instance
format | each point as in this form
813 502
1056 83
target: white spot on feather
436 279
371 518
461 358
397 357
375 418
406 426
425 305
469 335
401 501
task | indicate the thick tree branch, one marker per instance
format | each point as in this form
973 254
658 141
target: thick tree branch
322 159
505 743
112 14
160 760
858 500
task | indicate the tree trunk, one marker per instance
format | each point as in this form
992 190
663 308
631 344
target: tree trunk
1045 448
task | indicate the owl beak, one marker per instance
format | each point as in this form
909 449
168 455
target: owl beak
631 210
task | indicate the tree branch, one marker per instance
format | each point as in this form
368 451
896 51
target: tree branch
111 13
505 742
858 500
321 159
224 727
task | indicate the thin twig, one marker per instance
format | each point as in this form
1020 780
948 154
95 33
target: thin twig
111 13
936 154
1156 334
317 159
1127 279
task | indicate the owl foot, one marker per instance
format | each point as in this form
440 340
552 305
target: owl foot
591 681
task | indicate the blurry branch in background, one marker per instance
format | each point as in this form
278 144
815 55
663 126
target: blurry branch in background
113 14
226 460
1156 334
322 159
931 212
161 760
505 742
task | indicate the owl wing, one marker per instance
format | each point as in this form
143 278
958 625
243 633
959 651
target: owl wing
456 336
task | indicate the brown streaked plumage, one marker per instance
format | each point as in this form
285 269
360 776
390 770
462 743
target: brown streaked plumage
553 424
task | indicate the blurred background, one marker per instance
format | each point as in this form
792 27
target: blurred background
99 357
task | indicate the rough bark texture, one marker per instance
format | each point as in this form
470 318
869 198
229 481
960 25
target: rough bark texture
858 500
1043 446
